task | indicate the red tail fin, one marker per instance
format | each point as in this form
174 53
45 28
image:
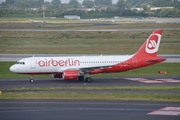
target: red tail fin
151 45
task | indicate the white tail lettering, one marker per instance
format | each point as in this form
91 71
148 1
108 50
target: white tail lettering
152 44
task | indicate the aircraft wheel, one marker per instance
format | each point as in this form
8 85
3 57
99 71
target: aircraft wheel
81 78
31 80
88 79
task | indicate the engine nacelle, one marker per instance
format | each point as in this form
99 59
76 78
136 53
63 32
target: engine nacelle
57 75
70 74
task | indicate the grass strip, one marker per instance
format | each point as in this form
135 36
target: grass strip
90 96
81 42
163 88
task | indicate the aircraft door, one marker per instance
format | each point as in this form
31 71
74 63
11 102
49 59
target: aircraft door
33 64
134 61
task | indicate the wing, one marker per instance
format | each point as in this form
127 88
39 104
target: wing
88 69
85 69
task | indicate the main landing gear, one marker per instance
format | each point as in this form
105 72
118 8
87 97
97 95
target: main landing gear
88 79
32 79
80 78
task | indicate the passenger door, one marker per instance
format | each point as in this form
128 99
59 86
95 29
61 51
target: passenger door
33 64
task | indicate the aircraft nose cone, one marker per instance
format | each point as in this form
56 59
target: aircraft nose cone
13 69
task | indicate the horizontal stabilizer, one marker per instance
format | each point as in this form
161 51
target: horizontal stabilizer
159 59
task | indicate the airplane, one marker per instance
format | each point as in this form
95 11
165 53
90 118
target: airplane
80 67
37 21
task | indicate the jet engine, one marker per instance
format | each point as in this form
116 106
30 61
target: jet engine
70 74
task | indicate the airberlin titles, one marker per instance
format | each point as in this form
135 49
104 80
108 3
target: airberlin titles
55 62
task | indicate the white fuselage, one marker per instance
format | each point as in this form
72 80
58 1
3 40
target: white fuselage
59 64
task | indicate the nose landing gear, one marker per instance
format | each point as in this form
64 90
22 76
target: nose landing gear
32 78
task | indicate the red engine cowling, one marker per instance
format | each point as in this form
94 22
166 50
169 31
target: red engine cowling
57 75
70 74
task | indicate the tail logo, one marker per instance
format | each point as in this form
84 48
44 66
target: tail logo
152 44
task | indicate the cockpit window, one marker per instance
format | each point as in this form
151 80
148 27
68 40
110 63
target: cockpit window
21 63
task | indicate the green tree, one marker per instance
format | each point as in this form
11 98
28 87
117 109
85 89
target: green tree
74 3
21 5
56 2
168 13
88 3
121 5
30 3
103 2
10 2
145 7
162 3
177 6
47 3
40 3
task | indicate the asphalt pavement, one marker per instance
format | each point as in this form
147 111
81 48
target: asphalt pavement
106 81
88 110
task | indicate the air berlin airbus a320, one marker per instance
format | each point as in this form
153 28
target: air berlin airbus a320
79 67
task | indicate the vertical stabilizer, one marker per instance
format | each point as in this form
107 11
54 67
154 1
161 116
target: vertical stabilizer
151 45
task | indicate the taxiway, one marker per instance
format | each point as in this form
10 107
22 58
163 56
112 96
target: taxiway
109 81
88 110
